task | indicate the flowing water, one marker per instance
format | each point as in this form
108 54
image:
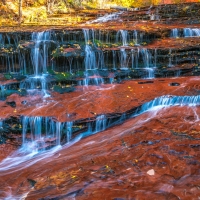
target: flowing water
48 65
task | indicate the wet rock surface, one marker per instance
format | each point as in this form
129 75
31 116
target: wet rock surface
136 82
120 159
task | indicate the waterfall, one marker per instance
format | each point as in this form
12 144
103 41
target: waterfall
106 18
69 131
44 132
185 32
150 73
135 37
146 56
155 58
32 83
1 40
170 59
123 59
114 59
172 101
39 58
191 32
122 36
134 58
90 58
2 91
91 81
101 122
174 33
39 52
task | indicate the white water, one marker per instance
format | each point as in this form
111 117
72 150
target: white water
174 33
170 100
40 51
191 32
122 35
22 158
106 18
101 122
186 32
35 82
28 155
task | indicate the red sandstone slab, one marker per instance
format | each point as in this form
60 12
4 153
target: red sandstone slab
88 102
117 160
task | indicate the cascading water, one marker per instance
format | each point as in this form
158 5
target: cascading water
191 32
186 32
90 59
174 33
122 35
2 91
39 57
171 101
146 56
135 37
170 59
44 132
101 123
106 18
134 58
123 59
39 52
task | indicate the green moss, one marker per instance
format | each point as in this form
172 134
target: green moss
8 76
63 76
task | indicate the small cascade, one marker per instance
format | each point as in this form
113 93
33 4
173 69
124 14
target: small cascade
186 32
90 57
146 56
170 59
134 58
39 57
114 59
150 73
191 32
91 60
122 36
155 58
154 17
91 81
123 59
172 101
101 123
32 83
2 94
44 132
174 33
1 123
1 40
39 52
69 131
136 37
106 18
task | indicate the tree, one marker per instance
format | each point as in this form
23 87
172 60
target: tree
20 11
49 5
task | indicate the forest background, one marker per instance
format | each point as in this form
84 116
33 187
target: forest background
60 12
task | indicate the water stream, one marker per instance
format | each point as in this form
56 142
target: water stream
44 66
